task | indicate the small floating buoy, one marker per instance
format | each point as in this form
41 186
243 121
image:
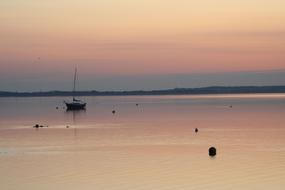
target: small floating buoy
231 106
196 130
56 107
67 126
113 112
212 151
39 126
137 104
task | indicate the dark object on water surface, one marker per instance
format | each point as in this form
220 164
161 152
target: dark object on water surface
212 151
39 126
56 108
67 126
75 105
137 104
113 112
196 130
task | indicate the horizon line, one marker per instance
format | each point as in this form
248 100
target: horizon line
169 91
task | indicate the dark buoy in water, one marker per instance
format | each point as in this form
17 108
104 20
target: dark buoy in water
67 126
231 106
196 130
39 126
212 151
137 104
56 108
113 112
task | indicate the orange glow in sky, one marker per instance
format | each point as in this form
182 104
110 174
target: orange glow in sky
142 36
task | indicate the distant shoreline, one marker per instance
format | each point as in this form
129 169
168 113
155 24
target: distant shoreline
174 91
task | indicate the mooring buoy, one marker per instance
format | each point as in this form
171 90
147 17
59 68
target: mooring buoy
196 130
212 151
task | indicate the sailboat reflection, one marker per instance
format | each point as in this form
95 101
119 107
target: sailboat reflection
75 114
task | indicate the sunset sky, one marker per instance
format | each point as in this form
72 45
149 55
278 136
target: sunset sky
140 44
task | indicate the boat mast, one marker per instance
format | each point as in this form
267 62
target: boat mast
74 82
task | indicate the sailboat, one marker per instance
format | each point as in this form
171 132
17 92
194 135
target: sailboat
75 104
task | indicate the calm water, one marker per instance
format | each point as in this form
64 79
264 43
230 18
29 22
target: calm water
149 146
